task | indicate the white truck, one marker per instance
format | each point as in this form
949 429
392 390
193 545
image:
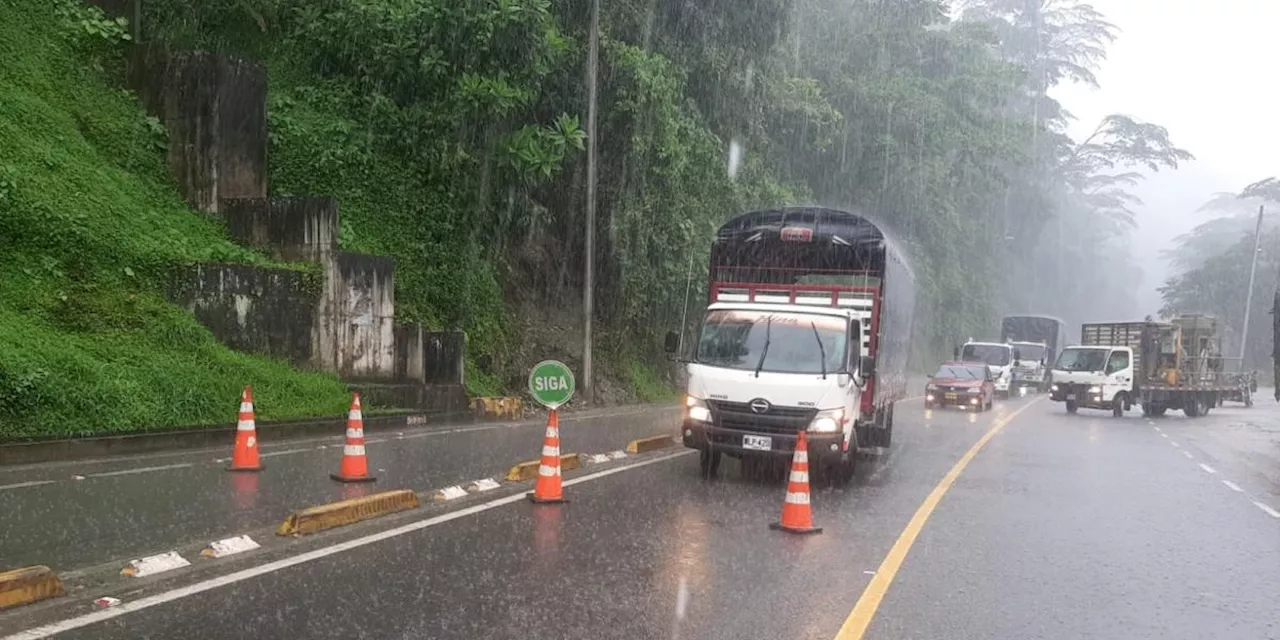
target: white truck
808 328
1030 367
998 356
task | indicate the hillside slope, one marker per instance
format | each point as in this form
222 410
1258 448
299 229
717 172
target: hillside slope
91 230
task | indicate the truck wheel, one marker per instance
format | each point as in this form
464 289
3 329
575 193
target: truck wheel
1071 406
1193 407
1118 405
709 463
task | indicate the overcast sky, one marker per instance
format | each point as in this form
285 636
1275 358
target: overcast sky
1202 69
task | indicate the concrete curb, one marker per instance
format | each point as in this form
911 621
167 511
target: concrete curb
337 514
27 585
644 445
529 470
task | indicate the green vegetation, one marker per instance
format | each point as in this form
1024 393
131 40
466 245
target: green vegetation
451 131
90 230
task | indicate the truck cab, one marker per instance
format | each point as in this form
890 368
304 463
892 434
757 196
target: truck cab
1095 377
998 356
1031 366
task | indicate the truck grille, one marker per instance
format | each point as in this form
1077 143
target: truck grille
739 417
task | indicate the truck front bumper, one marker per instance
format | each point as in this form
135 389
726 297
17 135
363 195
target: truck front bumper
1084 395
824 448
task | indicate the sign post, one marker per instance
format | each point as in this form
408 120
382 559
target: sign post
551 384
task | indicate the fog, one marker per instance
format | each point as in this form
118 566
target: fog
1198 69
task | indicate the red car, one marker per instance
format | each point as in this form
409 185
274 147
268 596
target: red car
961 384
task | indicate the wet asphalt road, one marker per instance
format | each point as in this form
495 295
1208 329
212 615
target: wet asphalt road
123 508
1062 527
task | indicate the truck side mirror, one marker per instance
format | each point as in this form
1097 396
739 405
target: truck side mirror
867 366
672 342
1017 355
955 353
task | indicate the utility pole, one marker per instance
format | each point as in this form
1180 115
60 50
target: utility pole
588 278
1248 299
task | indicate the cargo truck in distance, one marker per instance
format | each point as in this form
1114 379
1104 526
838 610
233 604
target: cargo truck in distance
807 329
1037 339
1158 365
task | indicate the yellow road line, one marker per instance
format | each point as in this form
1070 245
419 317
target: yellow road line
860 618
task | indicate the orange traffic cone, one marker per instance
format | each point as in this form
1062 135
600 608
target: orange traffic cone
797 516
355 466
245 455
548 489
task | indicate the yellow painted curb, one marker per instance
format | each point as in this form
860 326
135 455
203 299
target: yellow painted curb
529 470
337 514
644 445
511 408
27 585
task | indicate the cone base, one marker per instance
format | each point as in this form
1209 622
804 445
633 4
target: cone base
342 478
778 526
536 500
246 469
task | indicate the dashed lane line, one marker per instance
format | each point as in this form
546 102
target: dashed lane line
1188 454
1207 468
1233 486
19 485
1267 509
125 472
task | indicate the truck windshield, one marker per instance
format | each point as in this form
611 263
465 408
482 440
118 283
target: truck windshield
1082 360
735 339
997 355
1030 352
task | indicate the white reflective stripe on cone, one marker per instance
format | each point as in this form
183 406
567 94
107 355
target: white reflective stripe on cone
800 476
797 498
552 432
355 433
244 425
246 407
353 450
354 414
548 471
554 452
801 456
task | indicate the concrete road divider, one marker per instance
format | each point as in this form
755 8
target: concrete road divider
644 445
27 585
529 470
499 408
337 514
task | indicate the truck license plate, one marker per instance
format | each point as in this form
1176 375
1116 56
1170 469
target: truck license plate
758 443
1071 396
951 396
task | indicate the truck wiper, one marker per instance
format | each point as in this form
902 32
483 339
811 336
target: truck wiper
768 325
821 350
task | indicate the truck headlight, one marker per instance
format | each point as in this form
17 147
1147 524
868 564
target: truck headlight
1053 387
697 409
1095 389
827 421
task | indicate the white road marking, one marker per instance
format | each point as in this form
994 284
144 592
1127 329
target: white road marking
1158 429
1207 468
1188 455
1233 486
33 483
1271 512
1175 443
1164 435
284 563
125 472
282 453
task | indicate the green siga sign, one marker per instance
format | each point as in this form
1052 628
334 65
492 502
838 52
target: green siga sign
551 383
